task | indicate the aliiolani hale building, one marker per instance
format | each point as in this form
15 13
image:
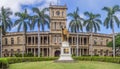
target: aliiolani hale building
51 41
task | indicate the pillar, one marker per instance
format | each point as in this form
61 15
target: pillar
27 41
31 40
72 40
47 52
34 52
82 40
50 51
27 50
43 52
34 40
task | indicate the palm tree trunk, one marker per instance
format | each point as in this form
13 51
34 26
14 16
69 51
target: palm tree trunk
24 41
23 44
38 41
113 41
91 48
1 43
78 46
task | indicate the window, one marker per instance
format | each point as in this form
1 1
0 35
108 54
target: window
52 13
6 41
29 40
62 13
36 40
95 42
57 13
70 40
106 41
101 43
18 50
12 41
12 52
85 41
55 26
95 52
18 40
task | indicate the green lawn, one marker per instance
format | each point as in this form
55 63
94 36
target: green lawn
52 65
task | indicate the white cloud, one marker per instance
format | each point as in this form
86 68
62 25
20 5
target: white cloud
82 15
118 14
15 5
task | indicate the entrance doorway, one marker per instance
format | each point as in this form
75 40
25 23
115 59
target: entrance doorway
57 53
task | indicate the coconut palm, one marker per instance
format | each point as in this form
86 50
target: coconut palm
5 22
110 21
22 22
92 24
76 24
41 19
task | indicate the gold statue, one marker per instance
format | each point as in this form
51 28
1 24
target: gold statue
65 34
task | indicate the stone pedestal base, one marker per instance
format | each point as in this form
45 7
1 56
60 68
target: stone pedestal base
65 55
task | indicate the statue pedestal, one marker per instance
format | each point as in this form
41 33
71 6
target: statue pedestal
65 52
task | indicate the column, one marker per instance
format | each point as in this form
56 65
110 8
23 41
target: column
47 51
48 39
83 52
34 40
27 40
42 52
88 40
31 40
34 52
73 50
27 50
50 51
72 40
43 40
82 41
31 50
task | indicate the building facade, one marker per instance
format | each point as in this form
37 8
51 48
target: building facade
50 42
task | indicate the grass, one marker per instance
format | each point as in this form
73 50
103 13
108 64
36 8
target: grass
52 65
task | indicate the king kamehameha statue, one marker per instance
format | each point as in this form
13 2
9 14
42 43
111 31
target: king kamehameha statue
65 55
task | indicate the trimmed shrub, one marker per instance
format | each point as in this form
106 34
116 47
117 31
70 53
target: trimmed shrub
102 59
3 63
28 59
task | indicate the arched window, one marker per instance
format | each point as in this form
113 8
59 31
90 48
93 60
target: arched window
95 42
18 40
12 40
106 41
52 13
55 25
6 41
62 13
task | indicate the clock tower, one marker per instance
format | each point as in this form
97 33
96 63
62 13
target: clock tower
57 21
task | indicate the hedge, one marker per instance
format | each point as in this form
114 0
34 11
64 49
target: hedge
4 62
102 59
28 59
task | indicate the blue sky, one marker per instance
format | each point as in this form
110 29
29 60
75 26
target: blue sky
94 6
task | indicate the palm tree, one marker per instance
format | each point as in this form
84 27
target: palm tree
5 22
110 20
92 24
76 24
41 19
22 22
